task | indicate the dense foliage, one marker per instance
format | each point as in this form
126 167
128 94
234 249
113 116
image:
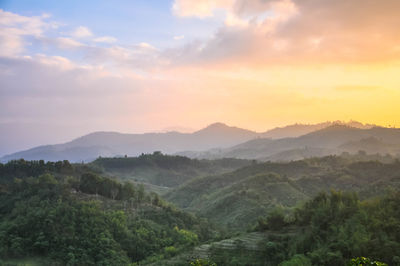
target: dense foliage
164 170
74 214
333 228
87 219
236 199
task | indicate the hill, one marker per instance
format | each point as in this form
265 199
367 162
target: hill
165 171
334 228
236 199
284 207
63 214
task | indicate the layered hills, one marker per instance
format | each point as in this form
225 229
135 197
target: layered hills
162 172
237 199
110 144
108 222
215 141
331 140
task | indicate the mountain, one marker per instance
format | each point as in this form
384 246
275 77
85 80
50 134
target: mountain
91 146
210 142
334 139
296 130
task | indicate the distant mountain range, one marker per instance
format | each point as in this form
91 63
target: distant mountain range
215 141
109 144
297 130
334 139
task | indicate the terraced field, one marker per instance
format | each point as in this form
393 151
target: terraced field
244 245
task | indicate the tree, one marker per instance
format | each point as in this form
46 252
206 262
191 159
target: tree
90 183
140 193
361 261
276 219
128 191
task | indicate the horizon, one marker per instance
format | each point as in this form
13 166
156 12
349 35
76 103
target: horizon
333 123
71 68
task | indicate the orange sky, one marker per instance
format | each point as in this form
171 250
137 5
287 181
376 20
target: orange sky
261 64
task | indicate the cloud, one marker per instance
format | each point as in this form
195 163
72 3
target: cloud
14 28
67 43
105 39
146 45
179 37
283 54
45 76
201 9
81 32
54 88
281 32
18 32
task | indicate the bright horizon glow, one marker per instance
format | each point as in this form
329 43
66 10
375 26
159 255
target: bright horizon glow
74 67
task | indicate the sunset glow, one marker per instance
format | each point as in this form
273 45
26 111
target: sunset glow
254 64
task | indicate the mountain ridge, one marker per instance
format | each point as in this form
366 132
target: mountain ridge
110 143
326 141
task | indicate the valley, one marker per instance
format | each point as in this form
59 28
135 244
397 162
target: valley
258 202
225 209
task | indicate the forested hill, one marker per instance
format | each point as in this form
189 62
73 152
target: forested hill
164 170
236 199
68 216
71 214
332 229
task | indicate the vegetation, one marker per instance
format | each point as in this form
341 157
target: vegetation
333 228
75 214
88 219
365 261
164 170
236 199
330 229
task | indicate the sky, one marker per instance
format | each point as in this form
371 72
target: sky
68 68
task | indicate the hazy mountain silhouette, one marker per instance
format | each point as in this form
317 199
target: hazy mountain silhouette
297 130
215 141
97 144
334 139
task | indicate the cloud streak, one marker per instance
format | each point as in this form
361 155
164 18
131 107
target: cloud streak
81 32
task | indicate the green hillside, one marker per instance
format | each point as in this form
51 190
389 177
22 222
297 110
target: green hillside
236 199
260 214
164 170
329 229
69 216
